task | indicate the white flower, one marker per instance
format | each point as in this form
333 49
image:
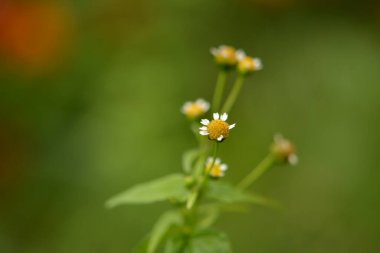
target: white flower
217 169
195 109
217 129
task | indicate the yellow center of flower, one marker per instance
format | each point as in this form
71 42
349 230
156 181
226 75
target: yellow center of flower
194 111
247 65
218 128
226 56
216 170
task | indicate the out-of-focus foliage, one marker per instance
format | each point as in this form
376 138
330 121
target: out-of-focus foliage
91 105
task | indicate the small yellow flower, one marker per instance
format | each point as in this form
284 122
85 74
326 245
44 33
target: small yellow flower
217 169
249 65
217 129
194 110
225 56
284 150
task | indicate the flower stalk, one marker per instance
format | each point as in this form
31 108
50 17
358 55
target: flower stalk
257 172
231 99
219 89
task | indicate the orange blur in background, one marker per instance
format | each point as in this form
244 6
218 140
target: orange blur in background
34 37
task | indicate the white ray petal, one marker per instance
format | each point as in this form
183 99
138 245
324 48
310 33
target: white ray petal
293 159
216 116
205 122
203 132
217 161
224 167
220 138
232 126
185 107
214 51
224 116
240 55
204 128
258 64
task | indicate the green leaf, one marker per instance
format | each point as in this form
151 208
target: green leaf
205 241
167 187
227 193
176 244
163 224
208 214
188 159
210 242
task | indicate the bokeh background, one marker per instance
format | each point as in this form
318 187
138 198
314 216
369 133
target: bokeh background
90 93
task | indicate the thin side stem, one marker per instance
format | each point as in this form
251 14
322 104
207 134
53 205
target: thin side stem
257 172
219 89
231 99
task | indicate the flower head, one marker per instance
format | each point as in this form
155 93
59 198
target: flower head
216 169
284 150
225 56
217 129
248 65
194 110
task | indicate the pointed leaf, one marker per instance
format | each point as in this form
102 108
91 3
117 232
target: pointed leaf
167 187
208 214
227 193
164 223
176 244
210 242
188 159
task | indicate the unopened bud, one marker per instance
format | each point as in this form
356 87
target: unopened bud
284 150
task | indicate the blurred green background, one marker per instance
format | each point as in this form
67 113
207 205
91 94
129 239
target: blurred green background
90 93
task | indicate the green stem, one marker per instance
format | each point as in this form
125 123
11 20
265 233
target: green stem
231 99
257 172
198 188
219 89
